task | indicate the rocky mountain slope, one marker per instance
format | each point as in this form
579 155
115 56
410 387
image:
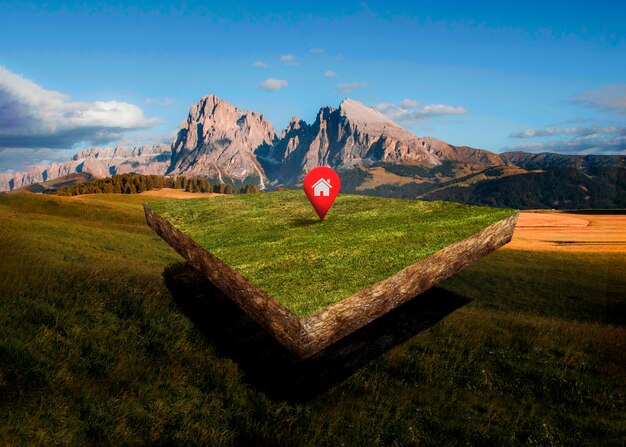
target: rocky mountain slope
226 144
342 138
97 161
218 140
356 135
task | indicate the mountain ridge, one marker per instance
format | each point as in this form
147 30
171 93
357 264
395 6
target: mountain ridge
220 141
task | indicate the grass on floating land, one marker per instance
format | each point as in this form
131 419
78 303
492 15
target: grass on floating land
93 351
276 241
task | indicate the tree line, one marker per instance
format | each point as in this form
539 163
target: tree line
137 183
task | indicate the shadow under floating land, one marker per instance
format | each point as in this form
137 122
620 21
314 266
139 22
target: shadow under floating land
274 370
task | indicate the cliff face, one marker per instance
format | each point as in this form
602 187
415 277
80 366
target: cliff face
218 140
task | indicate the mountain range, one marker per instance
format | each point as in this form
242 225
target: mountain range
371 152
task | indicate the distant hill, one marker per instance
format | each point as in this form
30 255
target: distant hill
554 188
65 181
220 142
546 160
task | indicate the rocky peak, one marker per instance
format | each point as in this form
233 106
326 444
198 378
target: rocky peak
219 140
200 109
353 134
325 113
294 125
360 113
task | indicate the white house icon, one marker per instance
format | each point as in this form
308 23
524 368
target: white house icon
322 188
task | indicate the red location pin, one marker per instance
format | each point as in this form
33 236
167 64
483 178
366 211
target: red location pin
321 186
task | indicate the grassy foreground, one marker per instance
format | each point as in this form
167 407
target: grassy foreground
276 241
94 351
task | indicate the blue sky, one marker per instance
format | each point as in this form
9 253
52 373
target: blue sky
529 76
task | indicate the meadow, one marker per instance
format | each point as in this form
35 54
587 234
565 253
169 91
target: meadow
94 349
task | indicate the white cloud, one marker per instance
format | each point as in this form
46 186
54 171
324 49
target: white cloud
31 116
410 111
349 86
316 50
272 84
289 59
556 131
330 74
409 103
587 144
611 98
260 64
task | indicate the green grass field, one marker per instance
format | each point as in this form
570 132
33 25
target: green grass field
93 350
277 242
